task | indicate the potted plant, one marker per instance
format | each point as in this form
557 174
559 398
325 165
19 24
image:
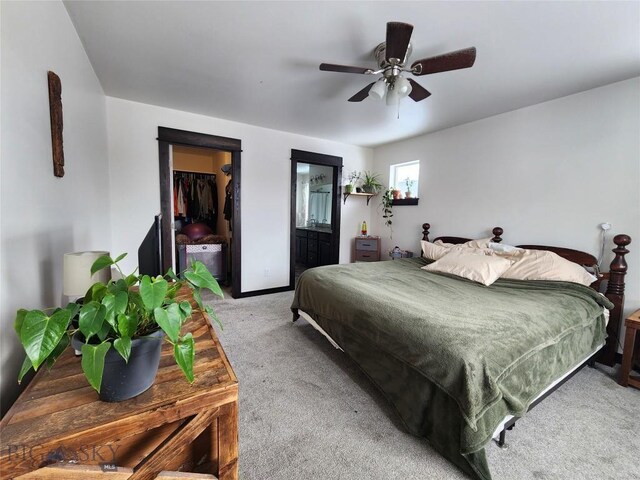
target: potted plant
387 209
396 194
352 178
371 182
120 329
409 183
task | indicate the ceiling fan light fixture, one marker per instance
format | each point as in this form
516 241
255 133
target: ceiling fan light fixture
392 96
402 86
378 89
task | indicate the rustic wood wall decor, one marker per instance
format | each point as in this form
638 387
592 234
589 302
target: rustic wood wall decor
55 111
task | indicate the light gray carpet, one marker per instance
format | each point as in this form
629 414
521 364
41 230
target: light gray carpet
308 412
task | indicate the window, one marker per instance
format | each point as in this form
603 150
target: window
404 177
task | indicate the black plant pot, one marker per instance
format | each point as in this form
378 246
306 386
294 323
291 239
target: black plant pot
122 380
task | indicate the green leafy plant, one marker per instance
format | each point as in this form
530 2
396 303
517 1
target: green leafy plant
353 177
113 314
387 209
371 182
409 183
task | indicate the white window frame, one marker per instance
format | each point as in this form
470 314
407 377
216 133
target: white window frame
392 175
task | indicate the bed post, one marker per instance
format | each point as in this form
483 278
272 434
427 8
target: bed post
615 293
497 231
425 231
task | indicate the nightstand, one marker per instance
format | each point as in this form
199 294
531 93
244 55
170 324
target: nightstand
367 249
632 324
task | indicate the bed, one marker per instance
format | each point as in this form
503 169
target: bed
459 361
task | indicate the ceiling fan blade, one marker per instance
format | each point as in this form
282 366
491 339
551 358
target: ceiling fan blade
398 36
362 94
464 58
330 67
418 92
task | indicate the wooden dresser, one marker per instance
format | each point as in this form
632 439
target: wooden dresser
58 420
367 249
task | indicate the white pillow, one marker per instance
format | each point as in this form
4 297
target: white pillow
501 248
480 243
433 251
446 245
545 265
476 265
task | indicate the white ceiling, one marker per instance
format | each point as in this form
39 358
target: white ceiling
257 62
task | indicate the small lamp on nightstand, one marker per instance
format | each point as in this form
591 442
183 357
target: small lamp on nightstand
77 274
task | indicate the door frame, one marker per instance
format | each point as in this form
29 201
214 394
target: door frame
315 159
171 136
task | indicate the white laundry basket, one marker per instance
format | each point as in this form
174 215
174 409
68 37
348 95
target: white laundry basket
214 256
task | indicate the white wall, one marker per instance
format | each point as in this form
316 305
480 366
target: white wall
42 216
265 201
548 174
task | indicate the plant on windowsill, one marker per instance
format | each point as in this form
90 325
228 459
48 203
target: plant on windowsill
387 209
120 329
371 182
409 183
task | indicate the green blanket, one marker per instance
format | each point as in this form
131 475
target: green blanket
453 357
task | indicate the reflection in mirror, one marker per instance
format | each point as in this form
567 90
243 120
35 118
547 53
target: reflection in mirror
314 196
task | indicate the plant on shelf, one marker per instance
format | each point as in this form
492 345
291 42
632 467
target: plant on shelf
387 209
409 183
123 321
352 179
371 182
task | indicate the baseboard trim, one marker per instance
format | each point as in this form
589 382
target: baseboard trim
266 291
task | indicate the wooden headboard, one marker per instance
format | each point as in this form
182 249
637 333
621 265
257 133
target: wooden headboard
614 278
497 231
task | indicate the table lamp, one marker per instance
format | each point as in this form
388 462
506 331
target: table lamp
77 273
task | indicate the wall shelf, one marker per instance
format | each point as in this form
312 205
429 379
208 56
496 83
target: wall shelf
368 195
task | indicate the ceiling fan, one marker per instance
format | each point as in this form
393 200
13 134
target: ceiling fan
392 56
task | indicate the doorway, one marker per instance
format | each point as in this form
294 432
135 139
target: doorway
212 164
315 211
201 191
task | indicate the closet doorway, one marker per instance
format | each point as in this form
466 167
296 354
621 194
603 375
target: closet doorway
199 192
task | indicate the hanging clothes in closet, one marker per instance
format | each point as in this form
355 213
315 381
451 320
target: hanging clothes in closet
196 197
228 203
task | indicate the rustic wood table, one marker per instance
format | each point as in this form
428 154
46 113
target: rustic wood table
173 426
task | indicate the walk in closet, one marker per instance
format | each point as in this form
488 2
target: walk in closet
202 209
